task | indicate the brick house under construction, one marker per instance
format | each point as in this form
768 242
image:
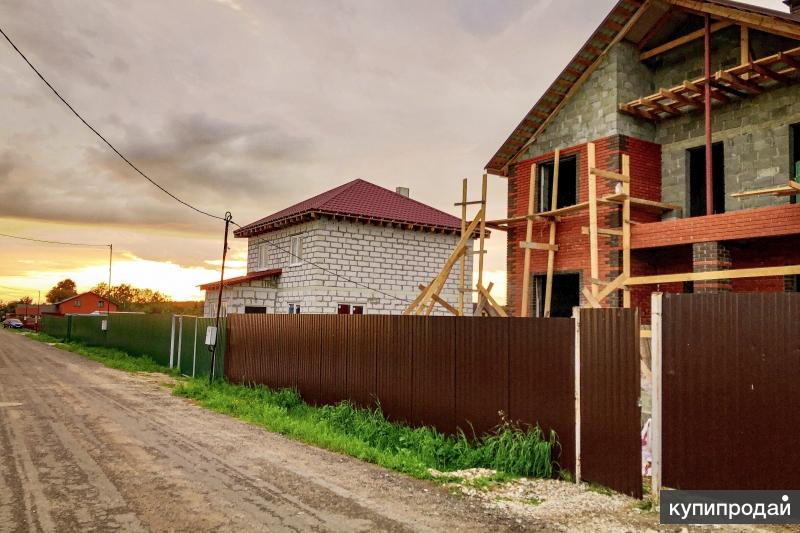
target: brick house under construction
627 136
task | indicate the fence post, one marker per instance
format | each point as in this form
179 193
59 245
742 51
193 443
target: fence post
576 315
172 343
180 341
194 346
656 402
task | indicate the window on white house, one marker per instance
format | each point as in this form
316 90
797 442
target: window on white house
263 256
347 309
296 250
294 309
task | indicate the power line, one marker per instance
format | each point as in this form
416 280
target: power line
54 242
106 141
165 191
324 269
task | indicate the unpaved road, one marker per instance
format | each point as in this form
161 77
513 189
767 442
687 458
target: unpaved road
87 448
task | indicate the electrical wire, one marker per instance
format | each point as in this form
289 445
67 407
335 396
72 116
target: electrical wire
332 272
54 242
102 138
164 190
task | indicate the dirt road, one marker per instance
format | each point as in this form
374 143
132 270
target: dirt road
85 448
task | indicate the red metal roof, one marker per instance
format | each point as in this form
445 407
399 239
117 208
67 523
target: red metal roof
274 273
361 199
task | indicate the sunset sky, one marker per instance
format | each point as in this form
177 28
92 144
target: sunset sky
250 106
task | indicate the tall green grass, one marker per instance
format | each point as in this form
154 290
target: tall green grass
362 433
110 357
368 435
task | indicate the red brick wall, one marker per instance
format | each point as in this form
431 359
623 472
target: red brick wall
762 222
573 254
764 253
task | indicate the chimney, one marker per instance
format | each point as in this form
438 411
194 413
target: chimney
403 191
794 6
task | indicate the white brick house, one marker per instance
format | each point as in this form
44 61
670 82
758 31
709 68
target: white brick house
383 242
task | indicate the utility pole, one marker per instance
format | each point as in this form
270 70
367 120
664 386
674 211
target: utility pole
228 218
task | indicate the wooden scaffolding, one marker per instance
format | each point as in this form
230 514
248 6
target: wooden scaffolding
430 294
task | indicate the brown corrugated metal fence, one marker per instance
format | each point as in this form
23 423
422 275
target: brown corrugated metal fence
446 372
731 391
611 452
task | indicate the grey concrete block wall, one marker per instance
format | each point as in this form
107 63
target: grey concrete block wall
593 112
393 260
754 131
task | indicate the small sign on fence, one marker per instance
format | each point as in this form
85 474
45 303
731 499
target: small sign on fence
211 335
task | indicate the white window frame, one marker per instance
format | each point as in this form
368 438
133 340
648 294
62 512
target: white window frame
296 250
263 256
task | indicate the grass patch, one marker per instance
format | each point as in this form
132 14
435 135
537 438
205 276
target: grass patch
365 434
110 357
645 505
599 489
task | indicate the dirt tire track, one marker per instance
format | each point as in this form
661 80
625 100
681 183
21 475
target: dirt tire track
94 449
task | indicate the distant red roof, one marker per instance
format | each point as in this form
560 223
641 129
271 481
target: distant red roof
359 199
274 273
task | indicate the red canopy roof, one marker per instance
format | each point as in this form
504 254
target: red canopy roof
274 273
362 199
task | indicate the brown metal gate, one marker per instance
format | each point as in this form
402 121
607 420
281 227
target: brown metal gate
610 411
731 391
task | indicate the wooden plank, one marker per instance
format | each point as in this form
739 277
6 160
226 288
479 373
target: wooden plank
538 246
482 229
551 254
618 283
656 351
740 16
465 203
744 44
739 273
526 268
658 207
593 242
610 232
678 97
764 192
462 278
591 299
492 302
441 301
689 37
736 81
482 302
437 283
657 106
794 185
789 60
771 74
626 228
609 175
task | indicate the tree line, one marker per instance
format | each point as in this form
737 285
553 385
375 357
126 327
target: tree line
127 298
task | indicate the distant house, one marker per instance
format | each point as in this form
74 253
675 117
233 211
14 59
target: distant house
84 304
298 258
26 311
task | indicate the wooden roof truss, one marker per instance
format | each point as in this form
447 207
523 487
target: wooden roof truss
746 80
